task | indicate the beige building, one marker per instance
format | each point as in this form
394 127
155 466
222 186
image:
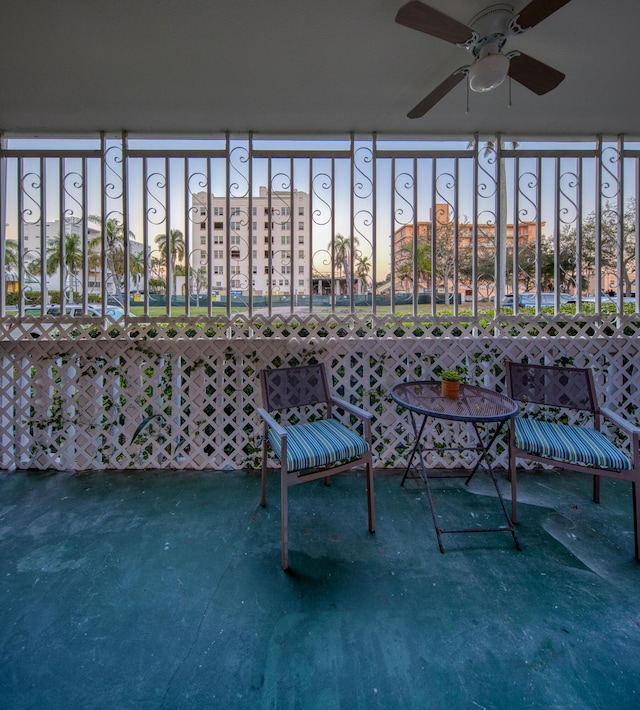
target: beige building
445 230
264 241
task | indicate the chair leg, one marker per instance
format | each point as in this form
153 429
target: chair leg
635 491
263 494
596 489
513 477
370 496
284 519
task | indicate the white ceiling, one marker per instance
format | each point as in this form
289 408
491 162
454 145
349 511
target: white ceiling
299 67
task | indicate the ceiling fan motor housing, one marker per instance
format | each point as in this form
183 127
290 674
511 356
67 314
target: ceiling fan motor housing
491 28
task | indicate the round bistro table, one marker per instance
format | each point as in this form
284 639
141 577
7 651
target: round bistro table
485 409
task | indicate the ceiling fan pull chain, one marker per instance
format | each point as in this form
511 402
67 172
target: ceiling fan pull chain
509 104
467 95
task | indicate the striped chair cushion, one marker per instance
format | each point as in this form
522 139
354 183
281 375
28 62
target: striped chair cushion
572 444
318 444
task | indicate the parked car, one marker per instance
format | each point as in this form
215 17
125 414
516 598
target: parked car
75 309
604 298
507 301
529 300
35 327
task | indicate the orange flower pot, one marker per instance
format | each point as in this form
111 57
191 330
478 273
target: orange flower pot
451 390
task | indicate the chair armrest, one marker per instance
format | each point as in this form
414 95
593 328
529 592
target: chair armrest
351 408
620 421
272 423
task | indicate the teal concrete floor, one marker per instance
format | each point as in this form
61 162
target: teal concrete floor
154 590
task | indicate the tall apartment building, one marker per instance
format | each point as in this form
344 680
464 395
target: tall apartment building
445 230
265 241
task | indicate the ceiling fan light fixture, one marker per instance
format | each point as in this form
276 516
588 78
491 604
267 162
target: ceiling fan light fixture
488 72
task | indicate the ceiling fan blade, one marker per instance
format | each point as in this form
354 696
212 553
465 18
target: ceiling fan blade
535 75
438 93
538 10
423 18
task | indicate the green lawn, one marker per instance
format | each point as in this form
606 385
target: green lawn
403 310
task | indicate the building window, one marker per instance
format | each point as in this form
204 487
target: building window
286 226
300 238
254 226
300 211
300 225
234 239
218 254
218 270
285 239
300 282
300 253
235 211
218 239
203 239
235 226
218 225
218 212
254 211
203 225
301 269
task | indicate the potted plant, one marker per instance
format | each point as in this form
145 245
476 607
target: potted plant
451 383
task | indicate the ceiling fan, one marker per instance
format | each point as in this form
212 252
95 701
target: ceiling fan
484 40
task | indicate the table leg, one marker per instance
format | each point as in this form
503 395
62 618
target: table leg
418 438
484 457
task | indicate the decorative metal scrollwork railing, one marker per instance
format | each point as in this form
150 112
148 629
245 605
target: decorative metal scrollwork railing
388 260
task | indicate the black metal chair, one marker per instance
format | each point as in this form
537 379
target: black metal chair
308 441
579 447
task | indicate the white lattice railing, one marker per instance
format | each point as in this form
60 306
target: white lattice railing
183 395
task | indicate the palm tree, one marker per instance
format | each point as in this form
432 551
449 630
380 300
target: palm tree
136 266
175 245
114 250
342 256
363 269
72 258
11 262
11 256
158 269
200 280
422 260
